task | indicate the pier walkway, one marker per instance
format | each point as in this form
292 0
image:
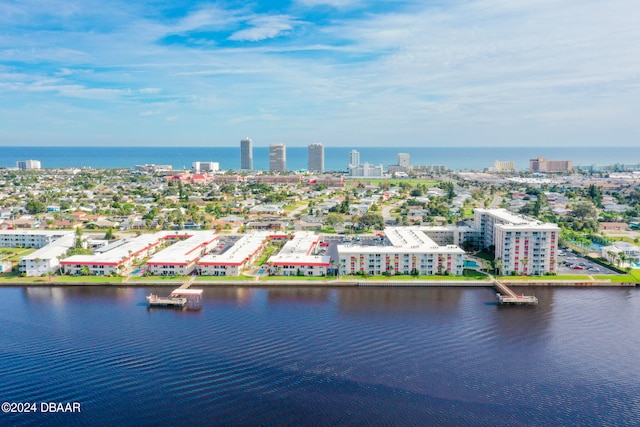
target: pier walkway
506 296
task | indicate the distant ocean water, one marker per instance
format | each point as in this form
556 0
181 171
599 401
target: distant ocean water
336 158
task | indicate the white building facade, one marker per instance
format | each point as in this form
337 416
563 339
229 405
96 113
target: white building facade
523 246
410 251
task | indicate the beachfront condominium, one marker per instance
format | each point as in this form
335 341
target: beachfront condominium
316 158
277 158
523 246
354 158
28 164
542 165
246 154
404 161
201 167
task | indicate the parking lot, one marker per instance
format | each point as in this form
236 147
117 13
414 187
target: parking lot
570 262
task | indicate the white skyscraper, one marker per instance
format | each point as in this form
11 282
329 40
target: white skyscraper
246 154
277 157
316 158
354 158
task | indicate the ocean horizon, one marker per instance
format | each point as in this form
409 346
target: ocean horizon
336 158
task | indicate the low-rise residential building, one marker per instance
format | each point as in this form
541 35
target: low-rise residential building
46 259
296 257
235 259
115 258
622 254
181 258
408 251
31 238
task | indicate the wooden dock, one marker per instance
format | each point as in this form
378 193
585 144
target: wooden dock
506 296
170 301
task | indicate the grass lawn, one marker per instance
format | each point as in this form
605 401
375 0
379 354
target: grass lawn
15 254
16 278
293 206
156 278
575 277
294 278
468 275
632 277
266 255
86 279
224 278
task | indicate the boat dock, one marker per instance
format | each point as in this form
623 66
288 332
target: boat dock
170 301
183 297
506 296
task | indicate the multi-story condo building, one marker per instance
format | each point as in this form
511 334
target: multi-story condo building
199 167
408 251
404 161
366 170
28 164
508 166
354 158
542 165
277 158
523 246
246 154
316 158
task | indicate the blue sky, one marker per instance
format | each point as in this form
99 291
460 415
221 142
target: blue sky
340 72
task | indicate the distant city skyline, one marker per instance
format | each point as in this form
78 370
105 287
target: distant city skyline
351 73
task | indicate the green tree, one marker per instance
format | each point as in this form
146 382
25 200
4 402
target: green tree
34 207
109 234
371 221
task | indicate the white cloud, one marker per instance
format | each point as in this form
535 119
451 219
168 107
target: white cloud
264 27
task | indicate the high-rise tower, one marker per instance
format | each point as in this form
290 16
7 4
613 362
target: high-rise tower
277 157
316 158
354 158
246 154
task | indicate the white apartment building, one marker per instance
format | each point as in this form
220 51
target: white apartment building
46 259
118 257
31 238
235 259
523 246
181 258
296 257
409 250
366 170
199 167
622 254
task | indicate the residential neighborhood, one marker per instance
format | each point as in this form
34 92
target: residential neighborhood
160 222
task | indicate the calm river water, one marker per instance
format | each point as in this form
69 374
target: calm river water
322 357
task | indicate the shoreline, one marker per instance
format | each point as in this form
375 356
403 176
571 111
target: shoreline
331 283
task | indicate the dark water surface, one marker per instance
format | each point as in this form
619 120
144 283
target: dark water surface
322 357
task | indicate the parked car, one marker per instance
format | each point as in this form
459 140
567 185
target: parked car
577 267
